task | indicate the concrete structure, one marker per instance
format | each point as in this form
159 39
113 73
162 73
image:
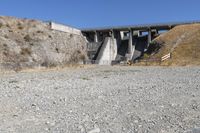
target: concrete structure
64 28
95 36
144 27
131 47
149 37
108 51
135 38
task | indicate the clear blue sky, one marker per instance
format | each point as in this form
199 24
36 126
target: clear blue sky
100 13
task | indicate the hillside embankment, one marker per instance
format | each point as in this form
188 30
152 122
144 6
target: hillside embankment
28 43
183 42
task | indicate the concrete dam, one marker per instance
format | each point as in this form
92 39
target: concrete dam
122 43
125 43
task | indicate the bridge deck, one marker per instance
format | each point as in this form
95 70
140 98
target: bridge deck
159 26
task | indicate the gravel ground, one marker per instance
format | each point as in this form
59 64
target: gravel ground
102 100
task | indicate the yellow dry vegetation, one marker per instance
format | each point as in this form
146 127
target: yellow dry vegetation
183 42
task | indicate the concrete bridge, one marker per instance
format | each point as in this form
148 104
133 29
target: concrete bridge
123 42
120 43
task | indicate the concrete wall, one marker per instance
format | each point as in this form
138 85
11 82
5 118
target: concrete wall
108 51
64 28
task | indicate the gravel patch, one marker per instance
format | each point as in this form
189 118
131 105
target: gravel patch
102 100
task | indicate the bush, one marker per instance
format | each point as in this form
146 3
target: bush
145 56
7 25
77 56
154 47
6 36
1 25
39 31
20 27
48 63
25 51
5 45
57 50
27 38
50 36
10 30
82 57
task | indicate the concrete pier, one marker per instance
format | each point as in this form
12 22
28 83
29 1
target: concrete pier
108 51
131 48
149 37
130 42
95 36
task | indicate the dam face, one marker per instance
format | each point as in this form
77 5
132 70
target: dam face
126 43
106 46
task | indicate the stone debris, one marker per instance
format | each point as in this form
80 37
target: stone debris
131 100
96 130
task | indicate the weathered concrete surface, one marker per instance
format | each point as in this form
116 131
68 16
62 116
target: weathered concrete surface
109 99
64 28
131 46
108 51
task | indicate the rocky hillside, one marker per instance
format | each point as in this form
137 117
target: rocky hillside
30 43
182 41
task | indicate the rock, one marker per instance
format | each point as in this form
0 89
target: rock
96 130
82 129
195 130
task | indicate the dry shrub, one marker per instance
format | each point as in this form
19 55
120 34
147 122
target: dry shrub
57 50
77 56
50 36
83 57
39 31
11 61
27 38
154 47
6 36
1 25
25 51
48 63
8 26
20 27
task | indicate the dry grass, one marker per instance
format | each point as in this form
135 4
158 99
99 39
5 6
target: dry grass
1 25
44 69
184 44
